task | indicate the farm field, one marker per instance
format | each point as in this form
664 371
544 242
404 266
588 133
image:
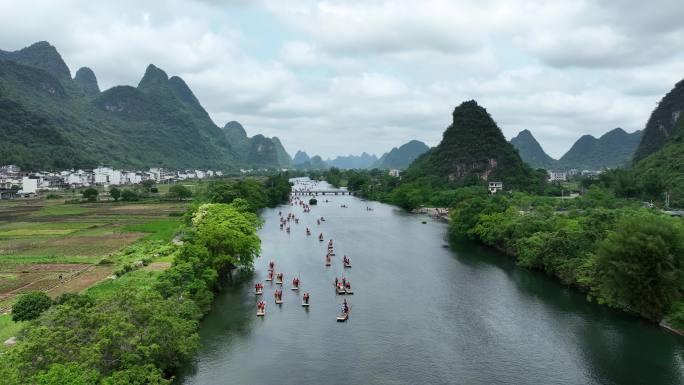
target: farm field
58 247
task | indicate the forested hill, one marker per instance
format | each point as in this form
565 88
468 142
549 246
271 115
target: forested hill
300 158
661 125
50 121
612 150
258 150
531 151
403 156
663 170
473 149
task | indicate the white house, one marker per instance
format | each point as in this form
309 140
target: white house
107 175
28 185
494 187
558 176
395 173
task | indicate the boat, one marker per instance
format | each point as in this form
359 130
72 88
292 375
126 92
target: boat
279 282
347 264
340 290
259 292
279 301
305 304
261 313
348 290
269 279
294 288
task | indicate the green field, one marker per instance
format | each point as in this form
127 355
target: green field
41 240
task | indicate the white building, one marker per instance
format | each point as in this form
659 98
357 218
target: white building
558 176
395 173
495 187
28 185
106 175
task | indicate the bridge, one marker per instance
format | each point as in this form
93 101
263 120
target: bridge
321 192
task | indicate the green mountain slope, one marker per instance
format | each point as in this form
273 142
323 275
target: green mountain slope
401 157
531 151
473 149
257 151
663 170
613 149
661 125
300 157
51 121
314 163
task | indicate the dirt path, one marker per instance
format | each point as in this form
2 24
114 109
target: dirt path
82 281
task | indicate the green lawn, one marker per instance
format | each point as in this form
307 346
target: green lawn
137 278
159 229
8 328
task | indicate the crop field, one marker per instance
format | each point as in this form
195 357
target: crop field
57 247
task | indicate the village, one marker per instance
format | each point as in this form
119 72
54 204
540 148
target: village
15 183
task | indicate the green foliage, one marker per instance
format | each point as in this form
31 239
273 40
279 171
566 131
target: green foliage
229 235
90 194
30 305
128 195
67 374
640 265
115 193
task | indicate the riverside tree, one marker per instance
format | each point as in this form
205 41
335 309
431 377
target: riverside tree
640 265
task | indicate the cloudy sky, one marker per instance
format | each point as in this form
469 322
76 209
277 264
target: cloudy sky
340 77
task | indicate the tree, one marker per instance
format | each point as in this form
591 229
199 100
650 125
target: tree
90 194
640 265
67 374
30 305
147 184
115 193
178 191
229 234
129 195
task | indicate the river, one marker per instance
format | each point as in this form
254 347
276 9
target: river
422 313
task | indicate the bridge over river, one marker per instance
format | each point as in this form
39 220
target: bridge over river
322 192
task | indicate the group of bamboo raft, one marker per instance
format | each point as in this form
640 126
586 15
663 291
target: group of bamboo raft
342 286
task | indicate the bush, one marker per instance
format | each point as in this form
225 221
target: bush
178 191
128 195
115 193
90 194
30 306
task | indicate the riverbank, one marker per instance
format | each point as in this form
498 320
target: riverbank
434 212
481 310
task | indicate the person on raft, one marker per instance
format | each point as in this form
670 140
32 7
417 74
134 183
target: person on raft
306 297
345 307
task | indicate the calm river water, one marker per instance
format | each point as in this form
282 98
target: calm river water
421 314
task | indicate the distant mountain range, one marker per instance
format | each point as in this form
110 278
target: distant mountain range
397 158
362 161
50 121
401 157
613 149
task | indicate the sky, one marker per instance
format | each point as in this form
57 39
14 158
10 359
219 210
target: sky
343 77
